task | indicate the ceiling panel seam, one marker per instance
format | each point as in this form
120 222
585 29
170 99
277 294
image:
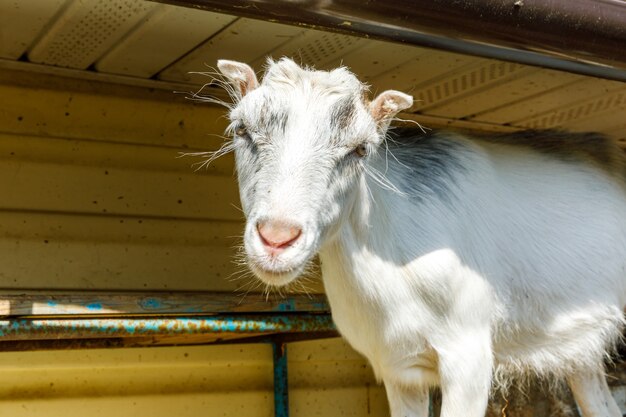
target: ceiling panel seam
50 23
157 75
526 98
515 73
566 113
156 10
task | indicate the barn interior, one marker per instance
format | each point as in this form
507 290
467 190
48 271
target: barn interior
103 203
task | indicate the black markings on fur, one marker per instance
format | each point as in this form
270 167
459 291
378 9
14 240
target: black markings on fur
342 113
276 121
563 145
272 118
428 163
570 147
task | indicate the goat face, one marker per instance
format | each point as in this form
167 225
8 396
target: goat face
302 140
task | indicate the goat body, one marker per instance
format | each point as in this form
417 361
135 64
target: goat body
447 261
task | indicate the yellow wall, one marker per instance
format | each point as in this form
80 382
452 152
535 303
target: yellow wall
92 188
326 379
93 196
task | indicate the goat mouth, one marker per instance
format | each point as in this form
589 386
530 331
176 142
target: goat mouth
275 276
277 268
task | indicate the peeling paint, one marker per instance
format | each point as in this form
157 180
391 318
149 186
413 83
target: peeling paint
43 329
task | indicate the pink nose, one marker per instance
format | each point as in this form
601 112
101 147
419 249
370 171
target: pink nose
277 234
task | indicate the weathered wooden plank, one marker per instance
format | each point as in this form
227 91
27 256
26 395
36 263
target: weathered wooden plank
154 303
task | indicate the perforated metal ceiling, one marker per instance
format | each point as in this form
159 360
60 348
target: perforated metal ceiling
142 40
86 30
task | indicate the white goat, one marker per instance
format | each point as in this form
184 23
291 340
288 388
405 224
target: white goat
447 261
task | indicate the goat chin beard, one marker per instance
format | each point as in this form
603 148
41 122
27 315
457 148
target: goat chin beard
275 278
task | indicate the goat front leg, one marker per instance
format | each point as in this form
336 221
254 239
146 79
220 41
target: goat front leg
465 370
407 401
592 395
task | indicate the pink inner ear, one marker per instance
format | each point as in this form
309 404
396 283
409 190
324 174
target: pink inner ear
380 107
250 84
240 75
388 104
243 88
375 110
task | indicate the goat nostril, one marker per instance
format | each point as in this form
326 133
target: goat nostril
278 235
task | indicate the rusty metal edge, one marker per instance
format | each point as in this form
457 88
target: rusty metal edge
91 328
142 342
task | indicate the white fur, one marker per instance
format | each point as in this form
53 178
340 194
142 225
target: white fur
520 269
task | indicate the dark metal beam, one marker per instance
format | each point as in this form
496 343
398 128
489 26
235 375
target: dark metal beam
581 36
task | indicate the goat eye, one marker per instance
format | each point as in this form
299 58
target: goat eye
241 131
361 150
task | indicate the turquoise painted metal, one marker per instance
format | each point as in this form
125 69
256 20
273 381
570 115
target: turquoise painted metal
281 381
76 328
285 325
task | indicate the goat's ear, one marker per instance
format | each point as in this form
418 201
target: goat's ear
240 75
384 107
